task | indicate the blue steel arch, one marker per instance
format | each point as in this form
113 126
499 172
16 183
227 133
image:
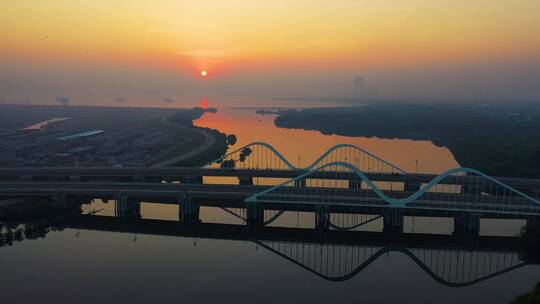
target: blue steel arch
393 202
257 143
316 162
386 250
340 146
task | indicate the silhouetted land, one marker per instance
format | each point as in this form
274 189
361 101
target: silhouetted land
499 140
119 136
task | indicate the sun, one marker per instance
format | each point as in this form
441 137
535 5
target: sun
204 73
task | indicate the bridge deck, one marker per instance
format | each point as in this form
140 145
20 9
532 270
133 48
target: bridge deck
529 185
234 196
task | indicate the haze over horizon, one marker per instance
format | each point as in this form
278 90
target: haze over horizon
157 49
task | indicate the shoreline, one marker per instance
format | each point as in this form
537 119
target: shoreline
196 151
213 146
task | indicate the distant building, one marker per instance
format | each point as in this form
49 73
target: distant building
359 87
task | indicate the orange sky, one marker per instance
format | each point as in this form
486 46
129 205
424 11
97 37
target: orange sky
254 36
207 33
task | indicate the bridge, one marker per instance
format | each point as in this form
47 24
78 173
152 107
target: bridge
345 179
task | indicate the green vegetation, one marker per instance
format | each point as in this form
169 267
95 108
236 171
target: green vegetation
231 163
501 141
231 139
531 297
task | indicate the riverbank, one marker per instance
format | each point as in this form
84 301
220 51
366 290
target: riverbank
500 140
205 145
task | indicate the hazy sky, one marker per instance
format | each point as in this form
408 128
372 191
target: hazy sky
154 49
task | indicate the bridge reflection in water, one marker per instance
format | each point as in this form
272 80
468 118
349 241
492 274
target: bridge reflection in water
339 255
334 254
450 267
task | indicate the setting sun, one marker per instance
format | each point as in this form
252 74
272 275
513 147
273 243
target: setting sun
204 73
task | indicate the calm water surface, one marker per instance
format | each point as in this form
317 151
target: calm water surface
87 266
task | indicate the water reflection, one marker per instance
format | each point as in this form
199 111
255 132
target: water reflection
33 221
449 267
303 147
334 255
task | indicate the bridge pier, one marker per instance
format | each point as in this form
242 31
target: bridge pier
355 184
254 215
466 224
412 186
245 180
126 207
189 211
393 221
322 218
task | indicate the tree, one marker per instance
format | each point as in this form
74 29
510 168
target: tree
231 139
227 163
245 153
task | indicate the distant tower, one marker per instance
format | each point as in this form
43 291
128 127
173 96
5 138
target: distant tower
359 87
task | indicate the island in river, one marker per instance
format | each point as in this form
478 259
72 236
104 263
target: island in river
498 140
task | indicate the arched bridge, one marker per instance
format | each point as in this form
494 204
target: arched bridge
345 179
